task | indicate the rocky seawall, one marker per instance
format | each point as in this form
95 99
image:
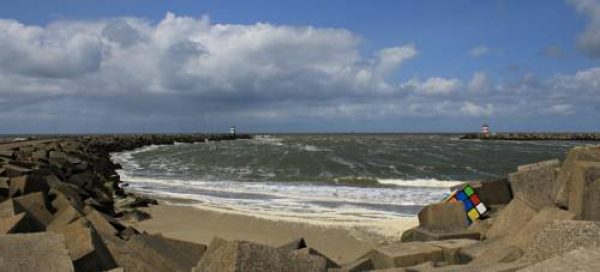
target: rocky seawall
62 209
535 136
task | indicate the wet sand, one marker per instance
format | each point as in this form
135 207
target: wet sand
341 243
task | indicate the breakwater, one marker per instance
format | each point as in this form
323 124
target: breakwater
534 136
62 209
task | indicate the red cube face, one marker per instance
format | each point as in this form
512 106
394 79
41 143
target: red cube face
475 200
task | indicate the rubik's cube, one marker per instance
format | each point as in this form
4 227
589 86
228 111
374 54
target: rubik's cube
474 208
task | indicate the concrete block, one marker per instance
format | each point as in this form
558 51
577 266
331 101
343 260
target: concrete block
364 264
22 185
576 260
584 196
159 253
536 181
561 236
311 251
35 205
8 209
563 181
293 245
13 170
246 256
443 216
63 217
101 223
404 254
419 234
452 247
512 218
7 154
494 192
86 249
19 223
191 252
127 258
34 252
526 234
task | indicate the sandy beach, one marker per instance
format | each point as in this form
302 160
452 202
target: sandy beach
340 242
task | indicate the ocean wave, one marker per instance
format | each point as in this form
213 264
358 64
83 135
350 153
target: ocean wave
426 183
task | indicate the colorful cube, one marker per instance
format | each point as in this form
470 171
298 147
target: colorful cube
474 208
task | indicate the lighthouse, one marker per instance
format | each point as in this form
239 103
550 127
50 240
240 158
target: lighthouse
232 130
485 130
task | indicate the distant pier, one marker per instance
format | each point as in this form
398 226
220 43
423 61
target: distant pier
534 136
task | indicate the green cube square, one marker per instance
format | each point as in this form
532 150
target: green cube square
469 191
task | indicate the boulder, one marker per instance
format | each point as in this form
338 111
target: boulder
443 216
34 252
536 182
562 187
404 254
19 223
576 260
86 249
223 255
34 204
512 218
584 195
561 236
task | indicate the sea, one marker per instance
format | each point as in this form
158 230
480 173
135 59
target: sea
336 178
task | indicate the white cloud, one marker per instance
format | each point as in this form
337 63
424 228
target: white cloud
589 40
479 51
472 109
434 86
479 82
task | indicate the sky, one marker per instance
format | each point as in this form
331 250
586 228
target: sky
83 66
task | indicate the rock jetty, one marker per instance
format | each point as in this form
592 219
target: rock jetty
62 209
534 136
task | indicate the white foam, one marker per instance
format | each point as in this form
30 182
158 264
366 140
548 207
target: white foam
427 183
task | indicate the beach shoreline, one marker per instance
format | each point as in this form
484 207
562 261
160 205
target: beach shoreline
342 243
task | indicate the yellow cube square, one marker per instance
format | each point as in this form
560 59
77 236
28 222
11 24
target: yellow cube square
473 214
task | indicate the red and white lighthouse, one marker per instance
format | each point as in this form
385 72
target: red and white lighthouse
485 129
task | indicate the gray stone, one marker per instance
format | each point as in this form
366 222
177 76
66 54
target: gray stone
584 197
443 216
246 256
561 236
583 260
536 181
34 252
512 218
404 254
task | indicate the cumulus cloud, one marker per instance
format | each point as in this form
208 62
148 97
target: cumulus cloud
184 73
589 40
434 86
479 51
